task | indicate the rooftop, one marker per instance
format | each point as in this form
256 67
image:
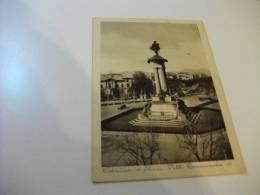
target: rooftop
117 77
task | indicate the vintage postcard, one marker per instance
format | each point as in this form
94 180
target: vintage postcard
158 107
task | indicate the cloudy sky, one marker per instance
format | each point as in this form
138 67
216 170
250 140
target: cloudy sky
125 46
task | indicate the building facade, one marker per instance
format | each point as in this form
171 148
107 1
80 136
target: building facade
116 86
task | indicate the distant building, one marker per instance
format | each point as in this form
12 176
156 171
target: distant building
116 86
171 75
185 76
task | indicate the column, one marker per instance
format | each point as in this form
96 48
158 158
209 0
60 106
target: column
157 81
162 79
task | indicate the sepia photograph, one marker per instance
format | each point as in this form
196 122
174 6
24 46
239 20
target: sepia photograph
159 110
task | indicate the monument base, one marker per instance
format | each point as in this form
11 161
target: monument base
161 113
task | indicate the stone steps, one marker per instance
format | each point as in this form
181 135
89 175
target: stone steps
157 123
165 117
194 118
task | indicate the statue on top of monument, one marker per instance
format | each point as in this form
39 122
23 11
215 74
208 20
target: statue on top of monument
157 59
155 47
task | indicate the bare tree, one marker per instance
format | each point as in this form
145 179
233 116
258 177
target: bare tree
189 141
142 149
212 146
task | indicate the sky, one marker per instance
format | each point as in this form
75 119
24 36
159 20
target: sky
125 46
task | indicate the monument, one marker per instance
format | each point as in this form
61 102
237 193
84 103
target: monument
163 110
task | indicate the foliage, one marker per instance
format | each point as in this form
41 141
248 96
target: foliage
142 84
